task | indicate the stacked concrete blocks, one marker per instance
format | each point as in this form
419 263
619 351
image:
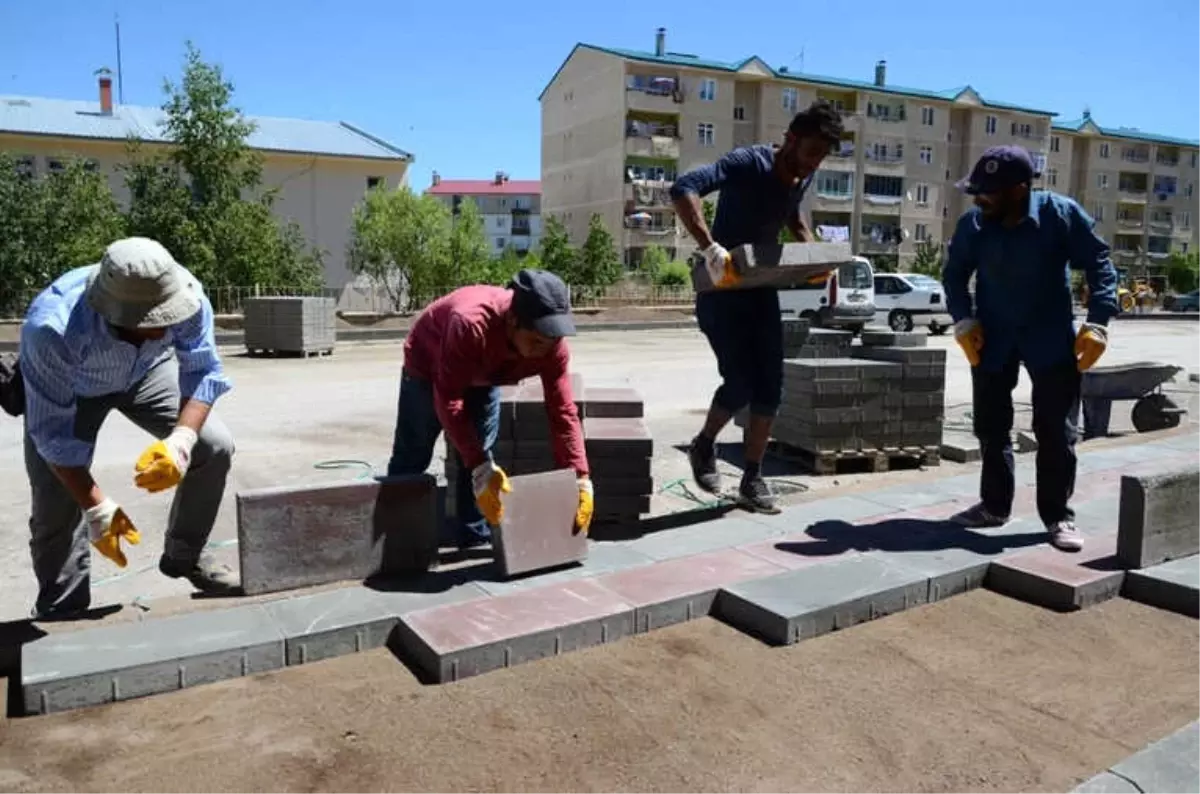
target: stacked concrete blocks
922 387
304 326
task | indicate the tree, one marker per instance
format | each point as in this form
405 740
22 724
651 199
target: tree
599 264
400 241
470 256
1183 271
557 255
654 259
505 266
885 263
928 259
709 210
674 274
204 199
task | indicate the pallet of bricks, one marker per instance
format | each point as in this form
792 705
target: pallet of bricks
618 444
289 326
871 407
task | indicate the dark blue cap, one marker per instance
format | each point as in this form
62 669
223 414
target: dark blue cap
999 168
542 302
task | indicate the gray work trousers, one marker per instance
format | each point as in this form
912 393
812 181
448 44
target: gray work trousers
59 537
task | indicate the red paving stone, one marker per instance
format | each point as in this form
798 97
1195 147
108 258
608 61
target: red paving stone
484 621
1072 569
687 576
538 529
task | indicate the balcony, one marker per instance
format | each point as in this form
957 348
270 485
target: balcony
1131 190
1136 158
883 115
643 236
647 194
1130 221
832 200
653 93
846 102
658 148
1166 158
882 157
1162 221
520 230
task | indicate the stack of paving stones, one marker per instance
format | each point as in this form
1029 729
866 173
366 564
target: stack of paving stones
922 391
800 340
618 444
304 326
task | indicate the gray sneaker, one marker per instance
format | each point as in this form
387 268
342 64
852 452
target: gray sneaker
206 575
755 495
978 517
1065 536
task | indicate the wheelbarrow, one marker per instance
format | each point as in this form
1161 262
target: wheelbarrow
1141 381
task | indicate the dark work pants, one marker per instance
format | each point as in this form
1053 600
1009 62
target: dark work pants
1055 412
745 330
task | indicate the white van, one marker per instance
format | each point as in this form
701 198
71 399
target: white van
846 299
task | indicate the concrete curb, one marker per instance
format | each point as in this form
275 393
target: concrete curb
1169 764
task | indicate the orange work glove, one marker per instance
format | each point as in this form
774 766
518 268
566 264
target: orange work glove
1090 344
107 525
719 264
587 506
164 463
969 335
489 481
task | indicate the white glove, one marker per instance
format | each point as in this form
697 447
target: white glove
964 327
180 444
107 526
717 262
100 518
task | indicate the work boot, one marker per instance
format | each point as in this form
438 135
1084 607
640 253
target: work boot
755 495
206 574
978 517
703 457
1064 536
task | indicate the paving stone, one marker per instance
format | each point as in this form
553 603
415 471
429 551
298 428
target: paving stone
1107 783
1170 764
122 661
906 497
872 337
721 533
678 590
1159 516
1173 585
351 619
603 557
453 642
812 601
795 518
613 403
608 486
295 537
782 266
538 528
617 438
1060 580
959 447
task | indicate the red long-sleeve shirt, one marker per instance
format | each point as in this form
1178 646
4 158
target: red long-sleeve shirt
459 341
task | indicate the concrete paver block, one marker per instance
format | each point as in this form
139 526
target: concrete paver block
1173 585
798 517
122 661
1107 783
1170 764
602 558
1060 580
453 642
1159 516
816 600
720 533
683 589
294 537
617 438
538 528
874 337
613 403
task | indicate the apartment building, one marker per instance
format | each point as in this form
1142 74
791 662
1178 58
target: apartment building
619 125
511 208
321 168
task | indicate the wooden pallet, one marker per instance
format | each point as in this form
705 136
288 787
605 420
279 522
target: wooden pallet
261 353
858 461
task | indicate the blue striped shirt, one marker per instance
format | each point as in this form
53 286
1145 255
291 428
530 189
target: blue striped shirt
69 351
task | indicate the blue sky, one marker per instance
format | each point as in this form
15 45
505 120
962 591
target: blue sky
457 82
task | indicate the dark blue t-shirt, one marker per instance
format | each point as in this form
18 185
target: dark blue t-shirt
754 204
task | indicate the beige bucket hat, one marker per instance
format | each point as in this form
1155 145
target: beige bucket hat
138 284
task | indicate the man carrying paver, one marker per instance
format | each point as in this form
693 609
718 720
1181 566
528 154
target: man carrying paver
133 333
761 189
460 349
1020 245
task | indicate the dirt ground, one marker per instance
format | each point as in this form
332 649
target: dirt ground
977 693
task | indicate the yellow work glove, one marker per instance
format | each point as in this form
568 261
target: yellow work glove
489 481
587 506
107 525
1090 344
164 463
969 335
719 264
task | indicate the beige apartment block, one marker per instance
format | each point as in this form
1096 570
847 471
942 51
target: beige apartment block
320 168
619 125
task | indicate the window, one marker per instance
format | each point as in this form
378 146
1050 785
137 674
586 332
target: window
834 184
55 166
926 155
989 125
886 186
26 166
1022 130
1052 177
790 100
500 243
499 223
739 113
374 182
1102 181
1104 150
1165 185
927 116
704 133
922 194
708 89
1039 163
921 232
1187 190
1098 214
1054 143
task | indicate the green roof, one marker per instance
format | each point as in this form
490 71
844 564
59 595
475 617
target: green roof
1128 133
696 62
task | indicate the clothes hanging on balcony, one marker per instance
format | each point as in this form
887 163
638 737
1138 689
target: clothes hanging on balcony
662 146
834 234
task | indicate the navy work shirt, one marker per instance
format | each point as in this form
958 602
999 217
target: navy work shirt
754 203
1022 280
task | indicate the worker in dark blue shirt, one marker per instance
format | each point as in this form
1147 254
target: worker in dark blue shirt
761 188
1020 245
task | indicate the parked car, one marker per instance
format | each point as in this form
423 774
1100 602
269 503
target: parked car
845 300
911 299
1186 303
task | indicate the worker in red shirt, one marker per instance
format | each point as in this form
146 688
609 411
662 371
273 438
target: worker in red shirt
461 348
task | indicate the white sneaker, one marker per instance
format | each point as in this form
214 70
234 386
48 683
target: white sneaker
1064 536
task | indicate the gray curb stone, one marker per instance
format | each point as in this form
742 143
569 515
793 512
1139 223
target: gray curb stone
1170 764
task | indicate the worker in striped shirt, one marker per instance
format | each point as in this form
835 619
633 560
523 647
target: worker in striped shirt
133 333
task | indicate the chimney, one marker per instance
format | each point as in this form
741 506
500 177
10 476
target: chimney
1087 114
880 73
501 178
437 179
660 42
106 103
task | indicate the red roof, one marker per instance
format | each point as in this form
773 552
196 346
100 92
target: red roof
486 187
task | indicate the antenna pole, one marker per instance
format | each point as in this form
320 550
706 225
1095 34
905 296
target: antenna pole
120 72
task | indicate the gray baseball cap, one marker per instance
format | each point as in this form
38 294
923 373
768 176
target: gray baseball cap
138 284
542 302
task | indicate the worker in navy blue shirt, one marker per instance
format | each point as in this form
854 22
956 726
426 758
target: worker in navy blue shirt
761 188
1020 244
